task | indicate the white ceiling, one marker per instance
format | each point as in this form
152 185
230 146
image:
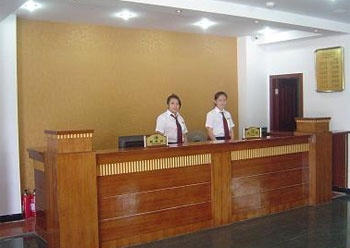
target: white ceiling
291 18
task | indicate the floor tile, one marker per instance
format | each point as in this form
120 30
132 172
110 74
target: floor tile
323 226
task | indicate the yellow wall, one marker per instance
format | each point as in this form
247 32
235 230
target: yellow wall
115 80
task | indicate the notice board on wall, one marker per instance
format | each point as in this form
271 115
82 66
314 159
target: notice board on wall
329 63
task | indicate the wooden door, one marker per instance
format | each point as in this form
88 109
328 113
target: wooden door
286 101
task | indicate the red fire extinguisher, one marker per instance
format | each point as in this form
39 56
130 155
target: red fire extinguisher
32 204
26 204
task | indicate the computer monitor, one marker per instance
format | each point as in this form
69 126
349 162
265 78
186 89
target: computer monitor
131 141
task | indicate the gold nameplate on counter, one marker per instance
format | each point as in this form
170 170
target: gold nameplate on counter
329 69
156 139
252 132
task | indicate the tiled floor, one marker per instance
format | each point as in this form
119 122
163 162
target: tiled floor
24 241
17 227
20 234
324 226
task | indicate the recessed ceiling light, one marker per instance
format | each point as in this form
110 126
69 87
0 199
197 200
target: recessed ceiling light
125 15
266 31
204 23
31 6
270 4
178 11
256 21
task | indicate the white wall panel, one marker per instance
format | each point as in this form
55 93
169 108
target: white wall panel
257 62
10 200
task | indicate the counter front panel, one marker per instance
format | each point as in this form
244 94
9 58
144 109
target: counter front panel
147 199
146 194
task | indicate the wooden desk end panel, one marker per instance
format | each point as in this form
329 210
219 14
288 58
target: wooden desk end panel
51 213
76 200
320 157
40 200
46 224
41 188
71 203
340 160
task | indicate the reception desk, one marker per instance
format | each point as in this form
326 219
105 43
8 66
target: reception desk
117 198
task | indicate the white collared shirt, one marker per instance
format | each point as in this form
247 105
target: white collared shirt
166 125
214 121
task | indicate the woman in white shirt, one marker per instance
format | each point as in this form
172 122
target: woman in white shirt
171 123
219 122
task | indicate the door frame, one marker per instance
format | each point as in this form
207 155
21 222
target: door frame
299 78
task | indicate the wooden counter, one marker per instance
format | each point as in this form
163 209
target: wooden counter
147 194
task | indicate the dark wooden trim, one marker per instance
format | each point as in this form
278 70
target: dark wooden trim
55 132
37 154
11 217
340 159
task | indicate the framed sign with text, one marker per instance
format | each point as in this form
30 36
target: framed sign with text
329 64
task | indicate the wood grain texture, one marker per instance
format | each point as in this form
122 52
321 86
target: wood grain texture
221 188
156 235
133 204
340 159
256 184
37 154
320 157
270 199
154 221
141 206
270 184
71 212
147 201
128 201
76 200
135 154
40 199
52 232
69 141
240 216
258 166
145 181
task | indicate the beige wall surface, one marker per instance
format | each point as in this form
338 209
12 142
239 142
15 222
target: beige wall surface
115 81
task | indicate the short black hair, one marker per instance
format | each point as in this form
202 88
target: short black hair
173 96
218 94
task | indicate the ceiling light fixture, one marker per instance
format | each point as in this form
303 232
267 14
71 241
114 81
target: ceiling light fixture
267 31
270 4
31 6
125 15
179 11
204 23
